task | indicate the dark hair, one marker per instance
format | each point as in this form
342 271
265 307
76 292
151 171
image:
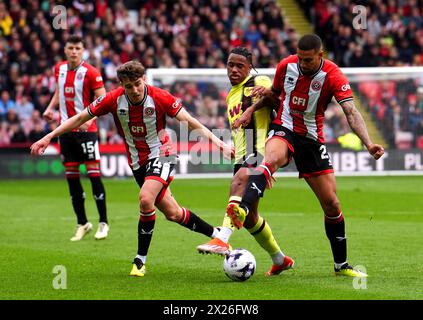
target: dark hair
75 39
310 42
131 70
242 51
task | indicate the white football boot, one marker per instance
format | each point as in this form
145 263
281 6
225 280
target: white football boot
102 231
81 231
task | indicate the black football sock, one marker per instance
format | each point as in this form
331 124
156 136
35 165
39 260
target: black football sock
145 231
254 189
78 199
193 222
99 194
335 231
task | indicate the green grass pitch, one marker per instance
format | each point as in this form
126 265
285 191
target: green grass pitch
384 220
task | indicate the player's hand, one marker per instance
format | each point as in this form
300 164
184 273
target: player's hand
244 120
228 151
38 147
376 150
48 115
260 91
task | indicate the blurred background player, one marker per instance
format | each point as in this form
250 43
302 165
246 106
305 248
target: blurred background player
305 84
249 149
139 111
77 84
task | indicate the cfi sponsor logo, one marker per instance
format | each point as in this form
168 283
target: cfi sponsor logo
99 79
149 111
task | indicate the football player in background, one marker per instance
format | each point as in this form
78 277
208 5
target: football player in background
77 84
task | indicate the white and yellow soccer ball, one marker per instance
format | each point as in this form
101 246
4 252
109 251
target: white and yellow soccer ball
239 264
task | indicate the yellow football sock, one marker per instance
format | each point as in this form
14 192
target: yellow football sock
264 236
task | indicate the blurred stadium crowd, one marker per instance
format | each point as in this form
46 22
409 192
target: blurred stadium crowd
200 34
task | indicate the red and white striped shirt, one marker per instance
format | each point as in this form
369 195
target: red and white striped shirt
76 89
143 125
304 99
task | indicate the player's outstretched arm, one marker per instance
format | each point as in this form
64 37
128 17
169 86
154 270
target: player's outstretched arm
194 124
268 97
72 123
97 93
358 126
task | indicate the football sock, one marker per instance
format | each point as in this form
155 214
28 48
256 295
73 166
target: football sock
264 236
100 197
77 198
193 222
224 234
256 185
335 231
142 258
145 231
227 227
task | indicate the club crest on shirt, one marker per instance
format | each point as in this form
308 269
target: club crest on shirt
316 85
247 91
149 111
79 76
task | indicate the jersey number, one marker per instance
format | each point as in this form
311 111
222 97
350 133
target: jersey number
88 147
155 164
323 152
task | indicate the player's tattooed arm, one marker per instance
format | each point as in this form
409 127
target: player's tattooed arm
358 126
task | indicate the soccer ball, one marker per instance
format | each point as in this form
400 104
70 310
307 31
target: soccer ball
239 264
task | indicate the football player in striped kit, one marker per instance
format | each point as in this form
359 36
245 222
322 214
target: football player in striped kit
303 86
140 111
77 84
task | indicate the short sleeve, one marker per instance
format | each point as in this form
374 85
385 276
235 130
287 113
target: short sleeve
168 103
279 76
56 72
102 105
263 81
341 87
96 80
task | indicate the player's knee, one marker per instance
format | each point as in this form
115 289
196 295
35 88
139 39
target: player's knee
174 214
332 207
146 201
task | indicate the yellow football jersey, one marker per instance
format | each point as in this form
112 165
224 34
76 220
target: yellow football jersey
253 137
